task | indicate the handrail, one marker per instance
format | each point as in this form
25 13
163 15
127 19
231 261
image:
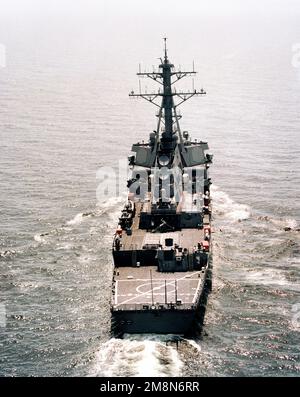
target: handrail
145 307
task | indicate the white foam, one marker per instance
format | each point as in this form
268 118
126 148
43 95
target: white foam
267 277
228 207
285 222
28 286
295 317
111 208
147 364
137 357
239 214
111 203
7 253
65 246
280 223
38 238
194 344
76 220
292 223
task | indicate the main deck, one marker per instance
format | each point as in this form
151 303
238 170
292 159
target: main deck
140 238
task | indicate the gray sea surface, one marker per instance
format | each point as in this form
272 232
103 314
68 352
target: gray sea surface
65 113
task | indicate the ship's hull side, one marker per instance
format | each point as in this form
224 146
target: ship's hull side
153 321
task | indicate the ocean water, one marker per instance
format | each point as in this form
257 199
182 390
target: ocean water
64 114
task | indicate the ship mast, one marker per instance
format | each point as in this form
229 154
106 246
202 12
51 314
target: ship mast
167 141
167 76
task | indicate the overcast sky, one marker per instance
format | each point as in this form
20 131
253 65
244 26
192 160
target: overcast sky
112 8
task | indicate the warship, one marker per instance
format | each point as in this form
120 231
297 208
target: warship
162 247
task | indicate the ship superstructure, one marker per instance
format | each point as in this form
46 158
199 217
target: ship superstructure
162 248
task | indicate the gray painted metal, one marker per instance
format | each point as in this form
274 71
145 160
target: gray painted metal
162 249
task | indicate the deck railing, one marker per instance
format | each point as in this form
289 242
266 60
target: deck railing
159 307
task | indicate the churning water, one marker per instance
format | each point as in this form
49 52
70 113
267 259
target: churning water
64 113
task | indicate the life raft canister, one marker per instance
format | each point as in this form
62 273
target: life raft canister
119 231
205 245
207 229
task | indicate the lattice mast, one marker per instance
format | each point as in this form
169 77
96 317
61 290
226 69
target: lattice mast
167 77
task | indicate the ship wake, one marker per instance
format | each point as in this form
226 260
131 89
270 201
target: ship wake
138 355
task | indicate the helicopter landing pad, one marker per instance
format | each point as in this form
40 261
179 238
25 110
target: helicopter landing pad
146 286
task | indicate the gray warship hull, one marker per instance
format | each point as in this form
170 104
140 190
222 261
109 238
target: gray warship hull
162 247
165 318
165 321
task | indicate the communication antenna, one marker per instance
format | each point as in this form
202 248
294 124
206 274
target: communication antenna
166 296
166 51
151 287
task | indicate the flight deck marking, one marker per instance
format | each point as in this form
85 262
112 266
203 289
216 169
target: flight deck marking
159 293
154 282
156 288
197 289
